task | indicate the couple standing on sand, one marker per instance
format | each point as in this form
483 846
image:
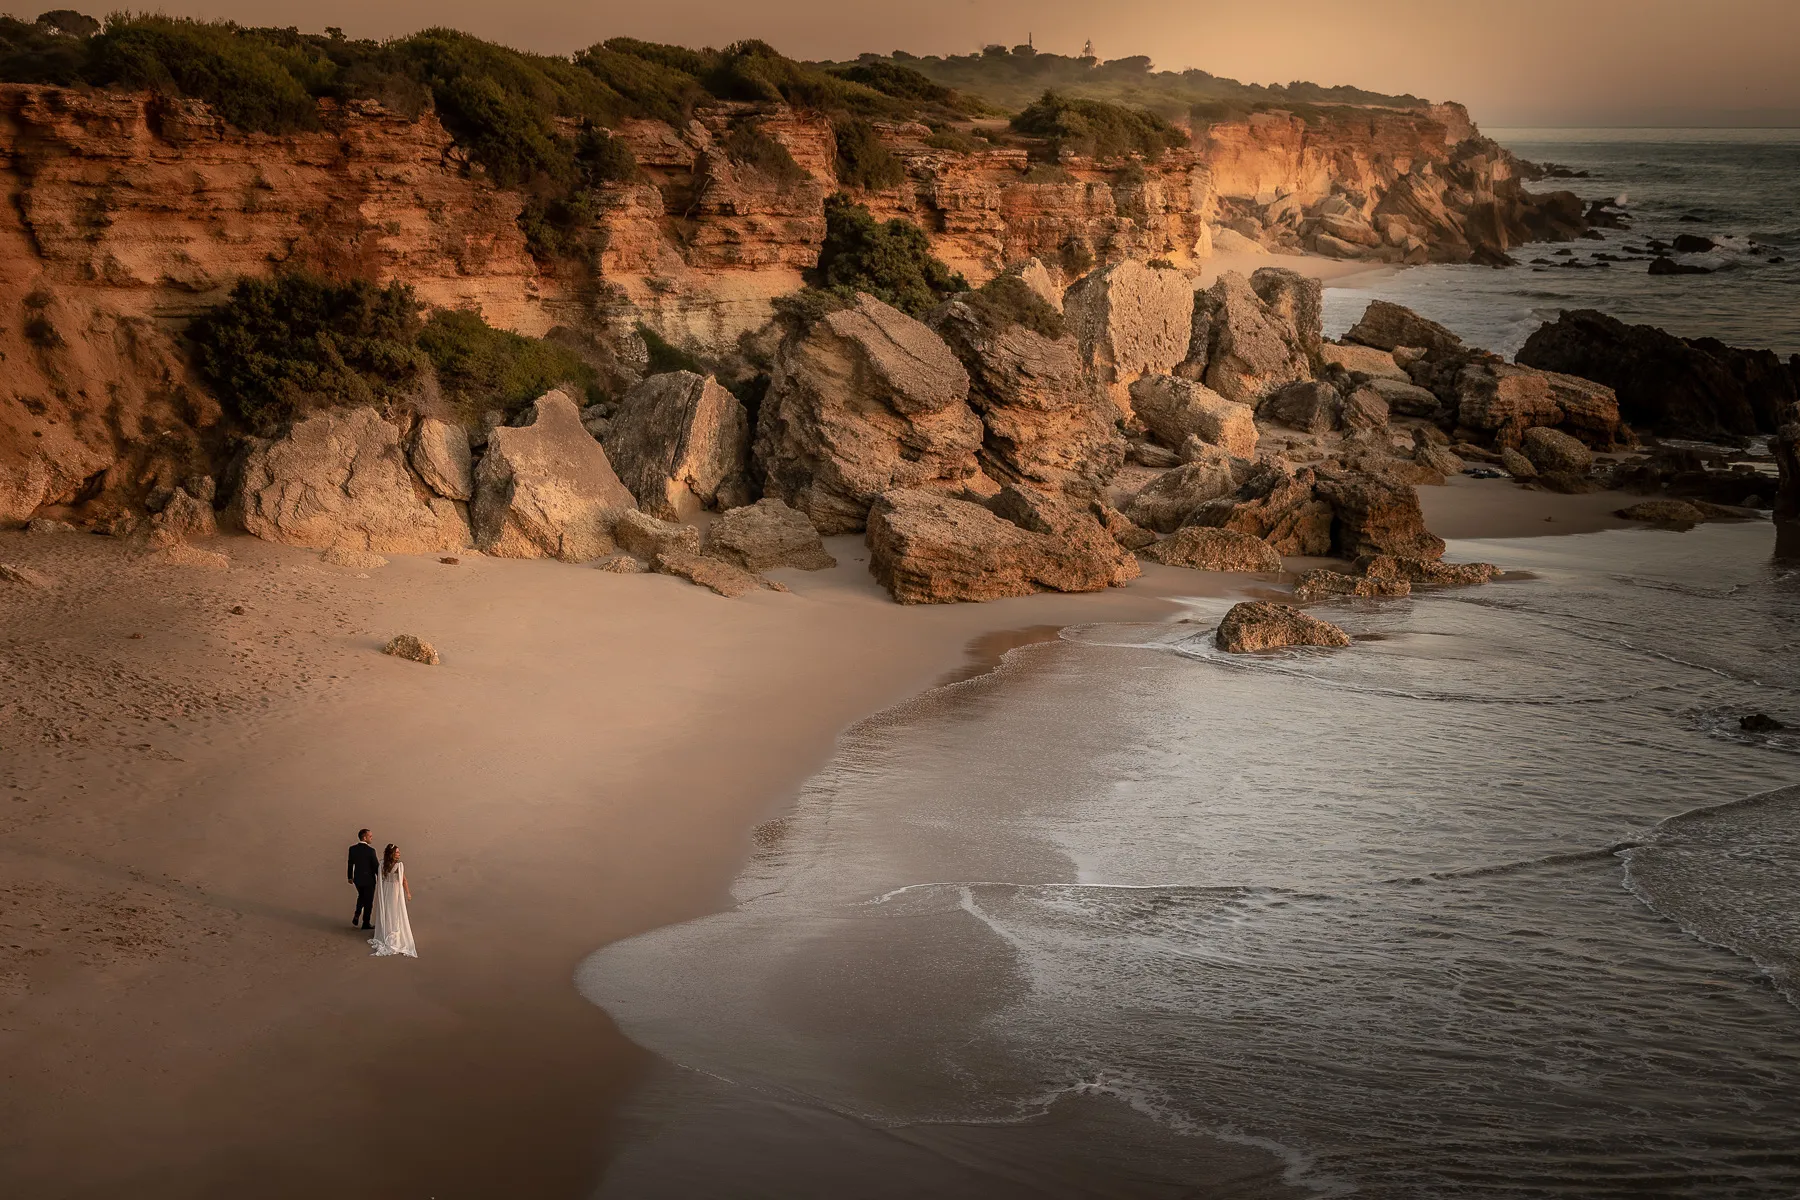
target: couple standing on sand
381 893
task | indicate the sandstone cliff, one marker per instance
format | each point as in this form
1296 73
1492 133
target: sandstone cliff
128 214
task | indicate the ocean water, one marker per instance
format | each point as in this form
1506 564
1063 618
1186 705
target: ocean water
1501 901
1743 185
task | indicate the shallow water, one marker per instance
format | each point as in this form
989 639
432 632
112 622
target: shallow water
1740 184
1479 906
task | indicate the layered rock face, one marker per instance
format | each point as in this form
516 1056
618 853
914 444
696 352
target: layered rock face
342 479
1667 385
1130 320
867 401
681 444
546 490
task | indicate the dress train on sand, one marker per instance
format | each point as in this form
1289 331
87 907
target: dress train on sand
393 931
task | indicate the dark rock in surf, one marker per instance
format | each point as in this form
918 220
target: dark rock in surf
1760 723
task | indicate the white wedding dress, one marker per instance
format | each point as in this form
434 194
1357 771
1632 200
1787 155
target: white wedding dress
393 932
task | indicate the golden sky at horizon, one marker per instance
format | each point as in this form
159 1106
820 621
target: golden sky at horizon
1526 62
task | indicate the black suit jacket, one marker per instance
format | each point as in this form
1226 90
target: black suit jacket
364 865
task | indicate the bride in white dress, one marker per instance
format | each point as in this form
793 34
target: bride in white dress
393 932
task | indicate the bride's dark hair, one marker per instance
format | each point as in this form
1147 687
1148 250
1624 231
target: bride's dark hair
389 857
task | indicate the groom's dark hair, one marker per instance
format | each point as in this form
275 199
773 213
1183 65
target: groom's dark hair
361 834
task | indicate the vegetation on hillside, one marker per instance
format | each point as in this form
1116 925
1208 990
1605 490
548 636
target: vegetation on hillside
278 348
890 260
1096 129
1012 79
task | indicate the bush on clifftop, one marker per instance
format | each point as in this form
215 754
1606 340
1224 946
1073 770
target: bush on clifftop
1096 129
891 261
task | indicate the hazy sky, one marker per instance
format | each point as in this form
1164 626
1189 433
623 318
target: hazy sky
1518 62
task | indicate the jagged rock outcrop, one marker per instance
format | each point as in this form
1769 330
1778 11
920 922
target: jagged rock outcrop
867 401
1371 515
1171 499
1242 347
1668 385
1500 403
1311 407
1282 509
1044 420
1427 571
1176 409
341 478
546 489
1367 360
1201 549
681 444
1260 625
929 548
718 575
441 456
186 516
1388 326
638 533
1130 320
768 534
1335 585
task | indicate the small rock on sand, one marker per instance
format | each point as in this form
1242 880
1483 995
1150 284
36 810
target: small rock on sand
1663 512
42 525
1260 625
620 564
350 556
183 555
405 645
24 576
727 579
1202 549
1326 585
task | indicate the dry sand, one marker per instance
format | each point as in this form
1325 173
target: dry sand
184 1010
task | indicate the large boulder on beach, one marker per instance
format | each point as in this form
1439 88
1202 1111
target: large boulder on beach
766 535
1177 409
680 444
1280 507
1501 401
1668 385
929 548
1166 502
1552 451
1298 300
1260 625
1374 515
1047 422
1310 407
1201 549
1365 360
1242 347
1429 572
1388 326
341 478
547 489
1129 320
440 455
864 402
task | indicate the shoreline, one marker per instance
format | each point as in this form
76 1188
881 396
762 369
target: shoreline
185 828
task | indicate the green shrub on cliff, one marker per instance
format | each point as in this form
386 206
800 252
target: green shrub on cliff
748 146
891 261
279 347
1007 300
250 81
1096 129
862 161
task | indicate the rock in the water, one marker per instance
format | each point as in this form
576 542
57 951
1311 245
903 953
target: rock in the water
681 444
547 490
1175 409
1551 450
766 535
1367 360
621 564
440 454
413 649
1663 512
1760 723
641 534
1516 464
865 402
726 578
1427 571
23 576
928 548
342 478
1310 407
1330 585
1671 386
1202 549
350 556
1388 326
1241 347
1166 502
1130 320
1259 625
1047 422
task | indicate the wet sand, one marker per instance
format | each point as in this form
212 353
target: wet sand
184 1010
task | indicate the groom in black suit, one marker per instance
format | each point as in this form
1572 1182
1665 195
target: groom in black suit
364 866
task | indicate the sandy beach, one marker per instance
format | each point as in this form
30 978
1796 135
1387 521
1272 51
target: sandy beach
187 1010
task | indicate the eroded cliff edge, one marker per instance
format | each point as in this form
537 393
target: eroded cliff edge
129 213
